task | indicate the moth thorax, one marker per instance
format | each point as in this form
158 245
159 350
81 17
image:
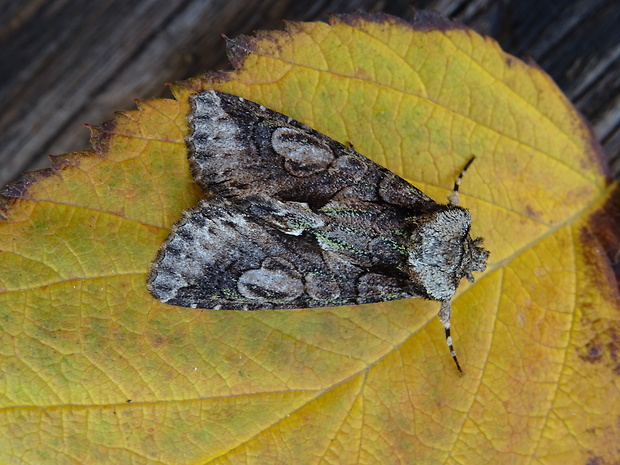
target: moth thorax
441 252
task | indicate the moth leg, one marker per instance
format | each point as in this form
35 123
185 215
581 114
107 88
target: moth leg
453 198
444 316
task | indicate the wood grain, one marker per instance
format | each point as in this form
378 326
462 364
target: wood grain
68 62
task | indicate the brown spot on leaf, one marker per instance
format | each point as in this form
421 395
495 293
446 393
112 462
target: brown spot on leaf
604 348
66 159
533 213
239 48
603 233
101 134
18 190
601 241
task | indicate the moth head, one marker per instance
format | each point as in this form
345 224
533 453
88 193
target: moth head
441 251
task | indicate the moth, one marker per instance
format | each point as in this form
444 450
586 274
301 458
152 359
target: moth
298 220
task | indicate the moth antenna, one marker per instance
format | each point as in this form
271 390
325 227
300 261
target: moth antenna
454 196
444 316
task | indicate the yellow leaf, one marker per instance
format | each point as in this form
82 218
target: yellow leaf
94 370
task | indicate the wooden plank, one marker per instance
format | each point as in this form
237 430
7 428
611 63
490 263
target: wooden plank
67 62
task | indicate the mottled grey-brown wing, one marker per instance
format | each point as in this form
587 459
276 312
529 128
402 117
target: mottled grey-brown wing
220 257
239 149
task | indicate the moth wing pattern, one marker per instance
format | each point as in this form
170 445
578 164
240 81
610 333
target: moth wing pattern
299 220
238 149
264 268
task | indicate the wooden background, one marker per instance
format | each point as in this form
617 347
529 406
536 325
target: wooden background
68 62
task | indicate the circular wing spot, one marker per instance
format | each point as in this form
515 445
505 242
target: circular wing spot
275 279
303 155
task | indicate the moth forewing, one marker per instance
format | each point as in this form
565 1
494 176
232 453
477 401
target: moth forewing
299 220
